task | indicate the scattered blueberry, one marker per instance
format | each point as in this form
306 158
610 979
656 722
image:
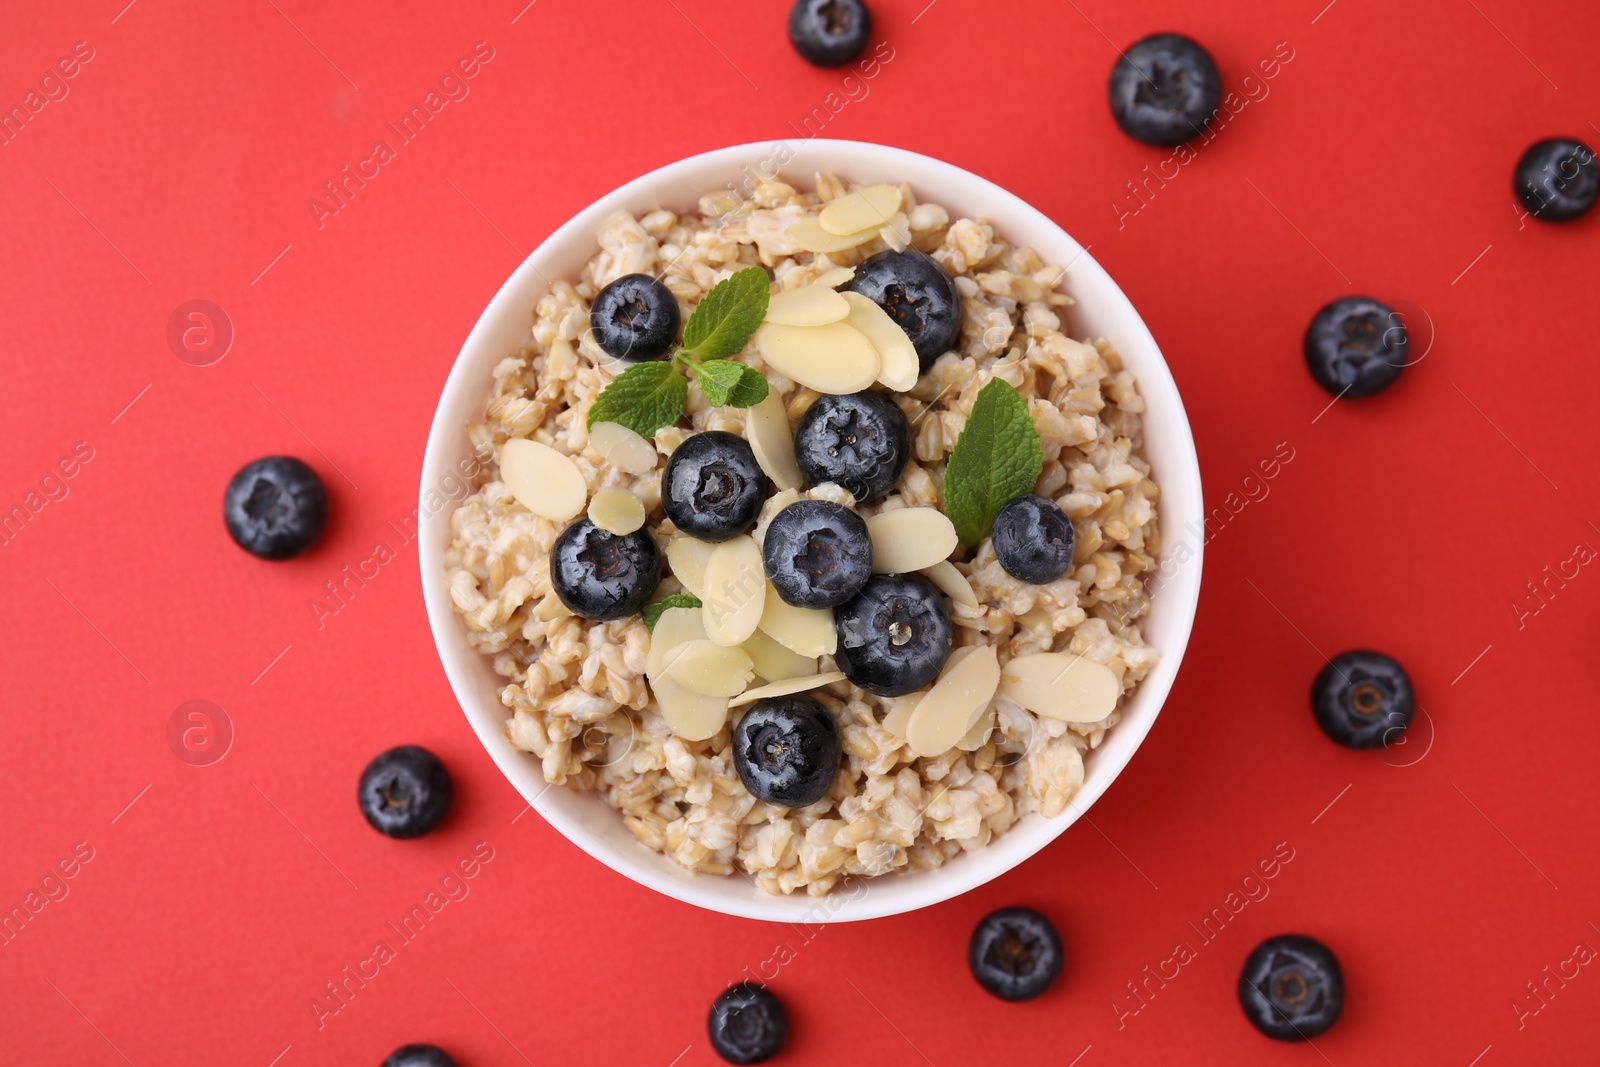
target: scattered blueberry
1356 346
1291 987
275 507
713 488
1033 539
747 1024
635 318
1015 953
404 792
918 294
419 1056
817 554
1557 179
602 575
1362 699
829 33
894 636
860 441
786 750
1164 89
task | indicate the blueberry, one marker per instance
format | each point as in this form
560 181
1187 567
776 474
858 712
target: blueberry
1164 89
1362 699
747 1024
275 507
786 750
1015 953
602 575
635 318
713 488
829 33
419 1056
860 441
894 636
1355 347
918 295
1291 987
1033 539
1557 179
817 554
404 792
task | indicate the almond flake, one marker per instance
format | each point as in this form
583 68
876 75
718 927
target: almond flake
895 721
775 663
622 448
808 631
691 716
812 305
870 207
616 511
836 277
979 733
688 556
952 583
783 689
1061 685
909 539
675 627
900 367
947 712
707 668
544 481
771 439
735 591
836 358
809 235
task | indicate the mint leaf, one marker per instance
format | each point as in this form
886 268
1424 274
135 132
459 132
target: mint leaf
729 384
997 457
653 612
723 322
644 398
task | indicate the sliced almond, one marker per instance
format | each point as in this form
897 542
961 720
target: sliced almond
771 439
676 626
692 716
811 305
836 358
775 663
622 448
899 715
808 631
900 367
544 481
784 688
872 206
947 712
811 237
735 591
1060 685
979 733
910 539
688 556
616 511
707 668
951 582
836 277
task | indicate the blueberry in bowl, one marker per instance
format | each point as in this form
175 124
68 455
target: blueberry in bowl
1033 539
1557 179
275 507
713 488
817 554
747 1024
635 318
1356 346
419 1055
786 750
829 33
919 296
1164 89
404 792
860 441
1291 987
1015 953
894 636
604 576
1362 699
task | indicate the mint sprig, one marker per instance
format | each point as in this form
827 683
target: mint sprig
996 458
648 396
653 612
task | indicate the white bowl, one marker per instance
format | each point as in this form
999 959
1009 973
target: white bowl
1102 311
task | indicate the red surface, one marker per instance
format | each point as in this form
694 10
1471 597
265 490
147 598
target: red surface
217 906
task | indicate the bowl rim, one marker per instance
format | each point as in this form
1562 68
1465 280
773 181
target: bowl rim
964 872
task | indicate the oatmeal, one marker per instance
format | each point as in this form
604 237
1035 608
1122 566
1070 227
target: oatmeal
1023 677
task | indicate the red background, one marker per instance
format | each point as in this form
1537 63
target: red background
219 903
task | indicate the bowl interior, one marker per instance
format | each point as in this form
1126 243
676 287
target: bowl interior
1102 311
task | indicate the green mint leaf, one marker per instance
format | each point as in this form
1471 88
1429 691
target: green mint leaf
723 322
653 612
729 384
644 398
997 457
